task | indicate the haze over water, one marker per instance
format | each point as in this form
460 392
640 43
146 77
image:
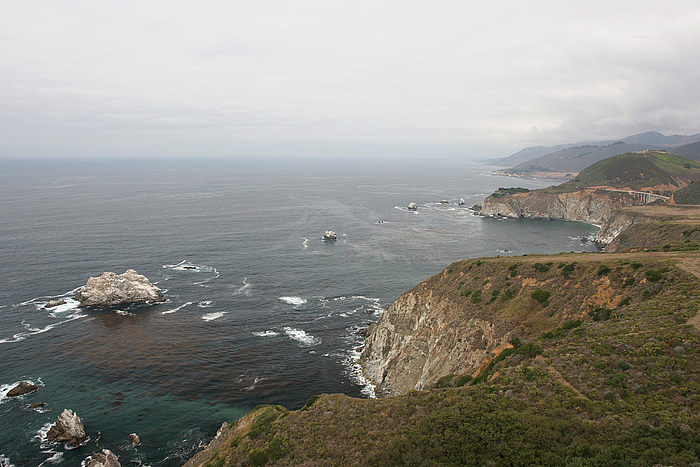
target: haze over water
260 309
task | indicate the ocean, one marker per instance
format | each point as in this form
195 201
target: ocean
259 308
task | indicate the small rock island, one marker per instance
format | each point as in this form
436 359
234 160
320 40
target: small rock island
112 289
330 235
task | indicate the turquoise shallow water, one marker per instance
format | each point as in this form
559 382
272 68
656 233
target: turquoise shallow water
270 312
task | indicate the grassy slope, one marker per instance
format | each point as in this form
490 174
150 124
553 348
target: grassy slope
689 194
636 171
620 386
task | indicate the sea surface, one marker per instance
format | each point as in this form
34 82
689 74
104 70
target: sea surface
259 308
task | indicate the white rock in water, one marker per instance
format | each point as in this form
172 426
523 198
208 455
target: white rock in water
461 201
412 206
68 428
115 289
106 458
330 235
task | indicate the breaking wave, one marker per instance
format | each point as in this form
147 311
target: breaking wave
301 336
213 316
296 301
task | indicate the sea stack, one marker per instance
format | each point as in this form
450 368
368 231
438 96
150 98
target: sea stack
444 201
24 387
68 428
412 206
104 458
330 235
112 289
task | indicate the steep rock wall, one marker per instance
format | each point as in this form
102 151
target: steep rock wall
456 321
422 337
591 206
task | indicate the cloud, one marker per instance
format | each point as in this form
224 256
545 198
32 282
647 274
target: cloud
221 78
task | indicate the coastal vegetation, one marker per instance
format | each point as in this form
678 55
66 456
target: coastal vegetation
566 359
607 376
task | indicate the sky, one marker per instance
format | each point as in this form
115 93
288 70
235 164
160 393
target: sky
333 78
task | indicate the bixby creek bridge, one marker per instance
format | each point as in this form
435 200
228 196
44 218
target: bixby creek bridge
643 196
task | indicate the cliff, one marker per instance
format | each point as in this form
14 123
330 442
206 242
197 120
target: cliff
583 359
598 207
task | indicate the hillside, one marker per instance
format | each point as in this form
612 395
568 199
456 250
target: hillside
564 160
599 368
656 171
689 151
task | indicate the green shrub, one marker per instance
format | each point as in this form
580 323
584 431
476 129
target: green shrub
624 302
563 329
476 296
466 293
539 267
636 266
617 381
568 269
463 380
603 270
676 379
507 295
310 401
624 366
530 350
513 269
541 296
515 342
628 282
653 275
600 314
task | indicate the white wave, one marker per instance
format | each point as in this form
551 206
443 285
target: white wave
5 388
123 313
252 386
43 299
296 301
41 435
205 304
187 266
301 336
244 289
20 336
5 461
56 458
265 333
503 250
305 243
353 366
213 316
216 276
59 310
167 312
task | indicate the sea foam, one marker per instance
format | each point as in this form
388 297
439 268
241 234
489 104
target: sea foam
296 301
167 312
301 336
265 333
213 316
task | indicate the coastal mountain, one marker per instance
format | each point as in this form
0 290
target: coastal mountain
566 160
565 359
689 151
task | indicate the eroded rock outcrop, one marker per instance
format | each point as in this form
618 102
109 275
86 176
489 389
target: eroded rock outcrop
597 207
422 337
68 428
104 458
112 289
24 387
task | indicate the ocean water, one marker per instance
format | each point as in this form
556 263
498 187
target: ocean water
260 309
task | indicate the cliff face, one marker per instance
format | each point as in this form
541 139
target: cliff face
591 206
423 337
456 322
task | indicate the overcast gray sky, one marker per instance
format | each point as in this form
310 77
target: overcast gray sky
340 78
